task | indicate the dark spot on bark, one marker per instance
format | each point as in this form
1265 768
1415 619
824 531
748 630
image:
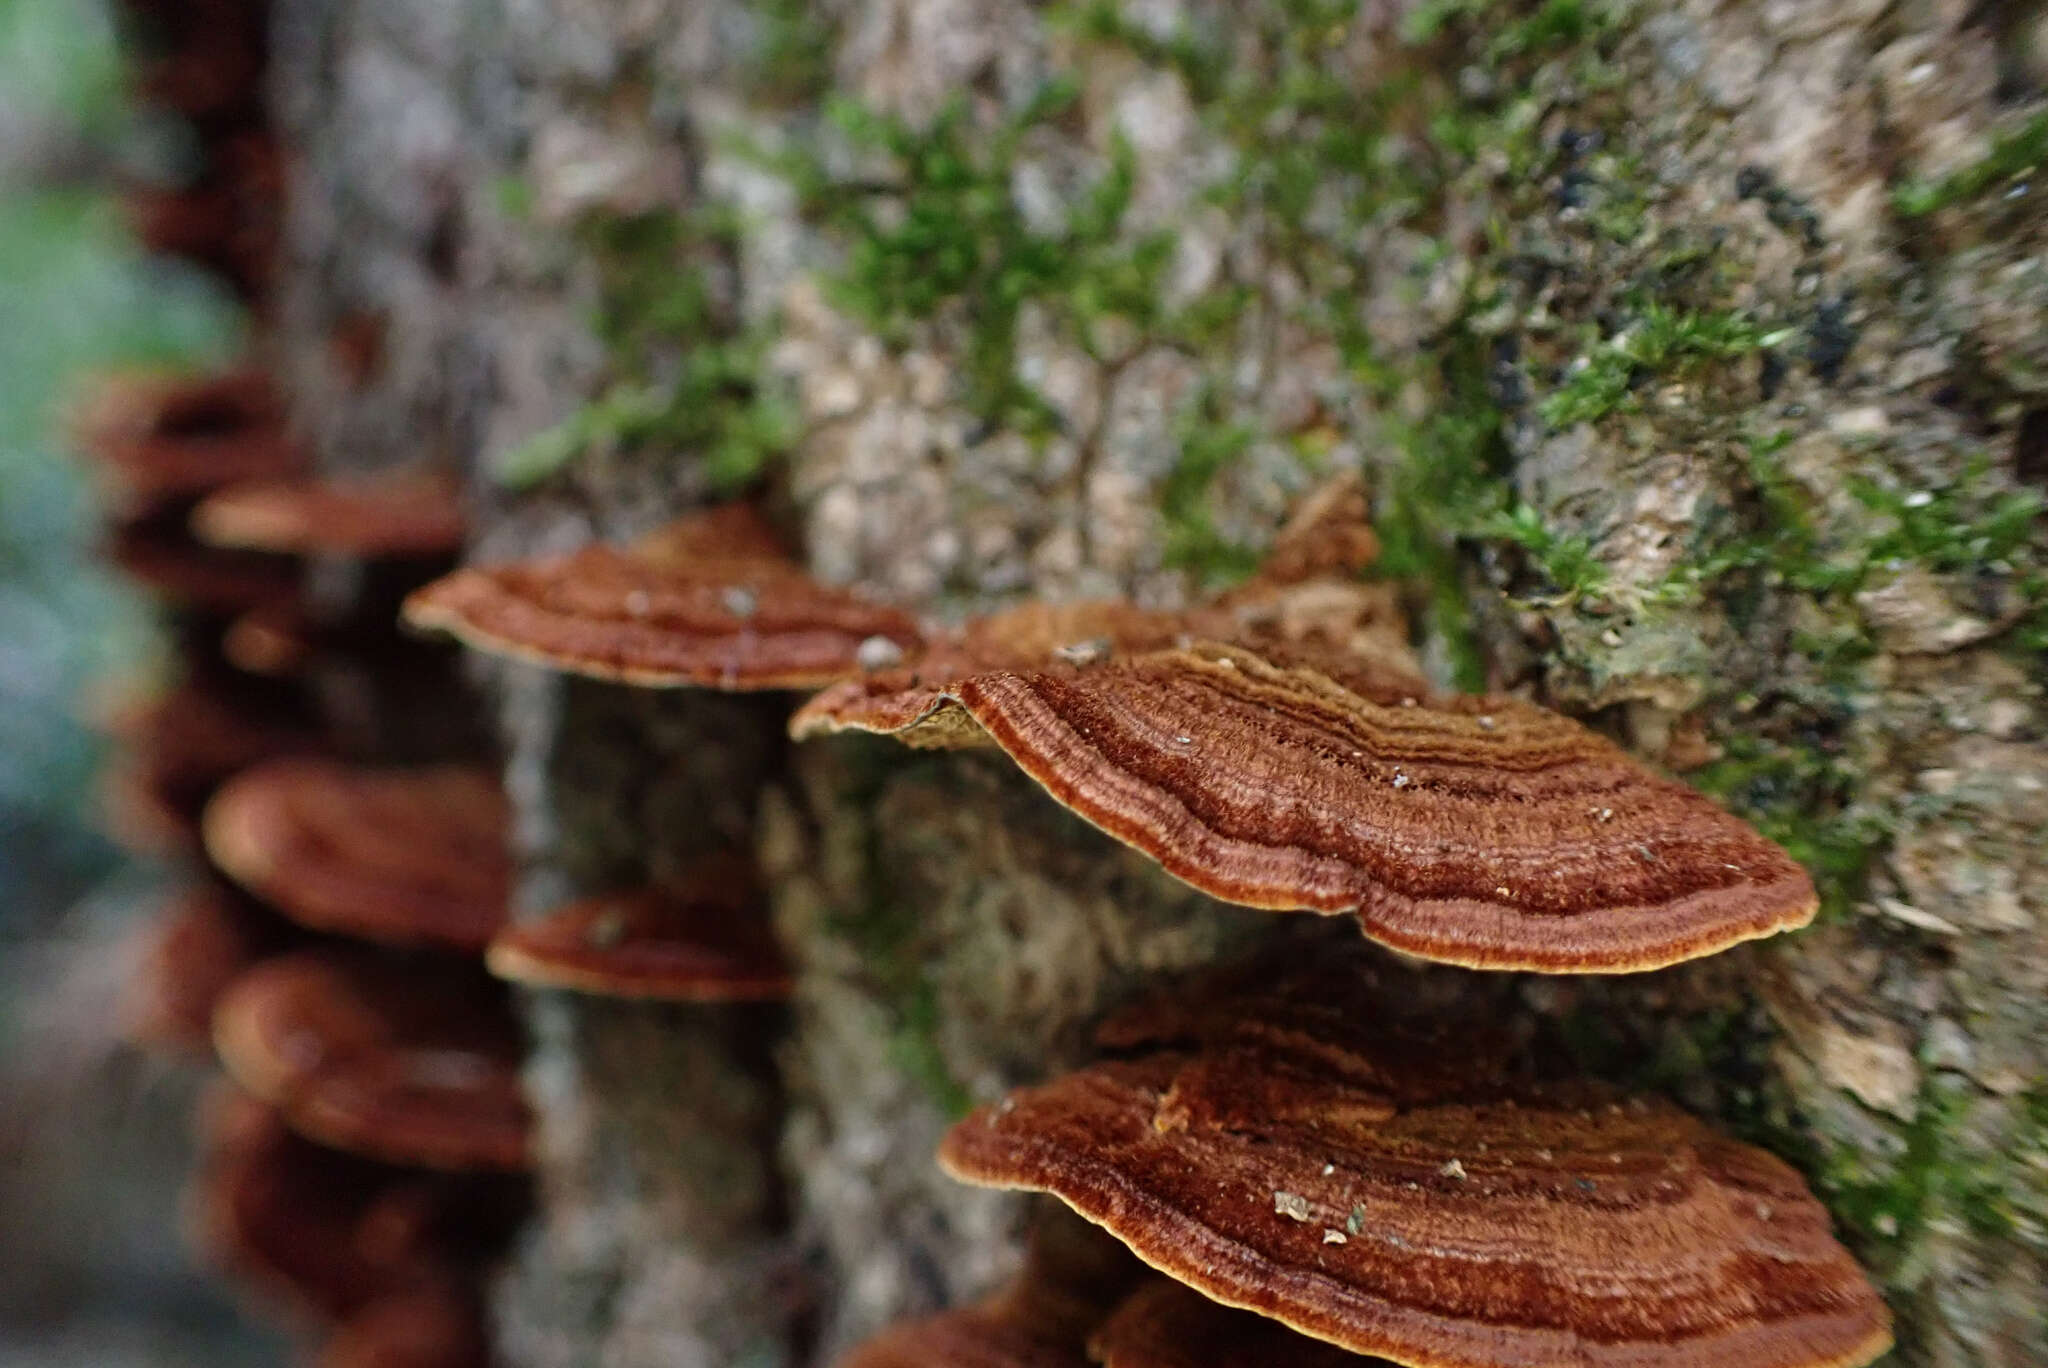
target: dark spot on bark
1575 143
444 245
1504 381
1571 189
1830 337
1770 375
1786 211
2030 448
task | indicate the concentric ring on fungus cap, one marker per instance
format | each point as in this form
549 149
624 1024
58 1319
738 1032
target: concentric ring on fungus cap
1478 831
1394 1195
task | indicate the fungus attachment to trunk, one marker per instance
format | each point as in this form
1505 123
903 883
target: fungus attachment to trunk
707 603
1285 1150
710 942
400 514
397 856
1479 831
411 1063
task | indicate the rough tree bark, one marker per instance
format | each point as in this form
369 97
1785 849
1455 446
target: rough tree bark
1694 352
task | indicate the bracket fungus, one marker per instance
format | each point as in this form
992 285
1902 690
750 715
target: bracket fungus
400 514
711 943
1478 831
325 1234
413 1064
404 856
709 603
1288 1153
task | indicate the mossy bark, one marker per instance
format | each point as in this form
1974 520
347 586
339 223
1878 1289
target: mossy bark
1693 352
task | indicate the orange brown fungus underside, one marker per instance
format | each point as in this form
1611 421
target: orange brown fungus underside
408 1063
1478 831
706 603
1282 1152
396 856
202 941
648 943
410 513
1166 1325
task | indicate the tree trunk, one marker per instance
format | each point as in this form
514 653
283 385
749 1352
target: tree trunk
1696 355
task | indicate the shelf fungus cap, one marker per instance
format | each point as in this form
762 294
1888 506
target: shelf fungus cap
397 856
708 944
403 514
324 1234
1282 1154
702 605
1478 831
408 1063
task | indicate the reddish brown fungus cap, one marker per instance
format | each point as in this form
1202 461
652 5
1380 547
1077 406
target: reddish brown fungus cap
1478 831
704 945
409 513
413 1063
700 605
322 1234
397 856
1387 1193
1166 1325
201 942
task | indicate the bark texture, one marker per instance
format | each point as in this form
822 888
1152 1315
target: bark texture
1695 355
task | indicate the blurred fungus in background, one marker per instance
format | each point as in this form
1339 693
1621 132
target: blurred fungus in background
94 1134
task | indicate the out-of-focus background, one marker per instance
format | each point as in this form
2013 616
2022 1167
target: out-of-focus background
93 1133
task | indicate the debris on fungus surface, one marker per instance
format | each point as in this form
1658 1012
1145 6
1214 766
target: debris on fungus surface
1479 831
400 856
705 604
1585 1226
407 513
709 943
410 1063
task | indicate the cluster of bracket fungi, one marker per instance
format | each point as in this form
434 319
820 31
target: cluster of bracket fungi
1293 1169
1271 1140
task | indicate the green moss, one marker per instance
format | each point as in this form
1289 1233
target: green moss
1658 341
1805 798
686 377
2015 152
947 234
1208 444
1568 562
